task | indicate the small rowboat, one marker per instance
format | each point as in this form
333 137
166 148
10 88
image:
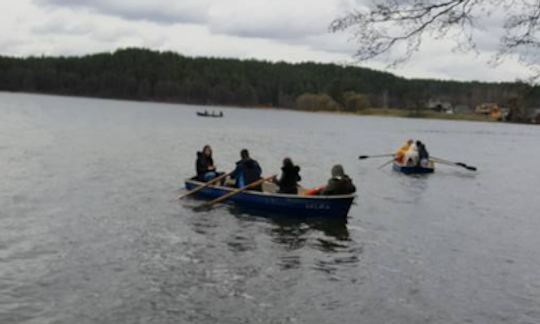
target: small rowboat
414 169
205 114
281 204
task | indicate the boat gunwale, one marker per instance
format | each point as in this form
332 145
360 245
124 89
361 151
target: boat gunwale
278 195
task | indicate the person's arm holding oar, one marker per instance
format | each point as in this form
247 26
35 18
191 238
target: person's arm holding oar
207 184
458 164
210 204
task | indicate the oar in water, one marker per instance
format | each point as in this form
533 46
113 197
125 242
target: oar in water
363 157
459 164
385 164
209 183
210 204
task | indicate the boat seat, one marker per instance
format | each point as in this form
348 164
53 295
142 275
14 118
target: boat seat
269 187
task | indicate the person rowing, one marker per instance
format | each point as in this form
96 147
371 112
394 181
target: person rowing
247 171
290 176
338 184
206 170
407 154
411 156
399 157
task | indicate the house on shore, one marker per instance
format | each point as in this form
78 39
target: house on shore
441 106
534 115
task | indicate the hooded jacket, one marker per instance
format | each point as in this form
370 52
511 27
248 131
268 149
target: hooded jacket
339 184
290 175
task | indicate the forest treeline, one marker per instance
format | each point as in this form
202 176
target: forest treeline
143 74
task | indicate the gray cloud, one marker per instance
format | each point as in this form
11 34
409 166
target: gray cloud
158 11
61 27
273 30
277 19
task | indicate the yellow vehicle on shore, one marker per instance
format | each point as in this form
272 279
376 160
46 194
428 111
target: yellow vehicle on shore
491 110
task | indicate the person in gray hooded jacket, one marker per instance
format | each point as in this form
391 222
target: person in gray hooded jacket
339 184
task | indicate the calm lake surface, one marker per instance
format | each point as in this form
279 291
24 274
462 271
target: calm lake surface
90 231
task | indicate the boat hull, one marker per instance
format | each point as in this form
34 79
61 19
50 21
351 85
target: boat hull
281 204
413 169
209 115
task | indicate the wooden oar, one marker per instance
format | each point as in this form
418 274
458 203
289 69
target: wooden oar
386 163
459 164
363 157
209 183
235 192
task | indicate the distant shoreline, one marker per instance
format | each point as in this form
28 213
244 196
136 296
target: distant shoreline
377 112
145 75
425 114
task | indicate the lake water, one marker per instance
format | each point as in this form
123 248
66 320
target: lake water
90 231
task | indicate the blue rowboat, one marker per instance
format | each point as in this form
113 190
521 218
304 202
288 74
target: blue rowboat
413 169
280 204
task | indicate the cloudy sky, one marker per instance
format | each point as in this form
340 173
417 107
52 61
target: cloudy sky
289 30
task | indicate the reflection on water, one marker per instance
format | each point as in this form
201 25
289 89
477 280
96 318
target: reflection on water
291 227
289 235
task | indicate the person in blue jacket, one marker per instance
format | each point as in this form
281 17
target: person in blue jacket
247 171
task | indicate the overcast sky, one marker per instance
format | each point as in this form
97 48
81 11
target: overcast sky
289 30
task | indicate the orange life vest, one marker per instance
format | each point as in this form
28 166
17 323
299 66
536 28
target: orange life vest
400 154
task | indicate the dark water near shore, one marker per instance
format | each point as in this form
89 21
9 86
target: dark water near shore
90 232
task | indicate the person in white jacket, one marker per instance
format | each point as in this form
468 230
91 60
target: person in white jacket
411 157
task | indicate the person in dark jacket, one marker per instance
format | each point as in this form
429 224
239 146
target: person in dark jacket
247 171
423 155
339 184
290 176
206 170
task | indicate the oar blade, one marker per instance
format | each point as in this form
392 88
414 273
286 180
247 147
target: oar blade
468 167
459 164
363 157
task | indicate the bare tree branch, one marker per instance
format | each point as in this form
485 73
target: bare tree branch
402 25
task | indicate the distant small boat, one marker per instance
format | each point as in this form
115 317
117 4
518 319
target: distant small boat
281 204
207 114
414 169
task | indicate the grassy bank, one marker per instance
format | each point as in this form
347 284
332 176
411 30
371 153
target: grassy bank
392 112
